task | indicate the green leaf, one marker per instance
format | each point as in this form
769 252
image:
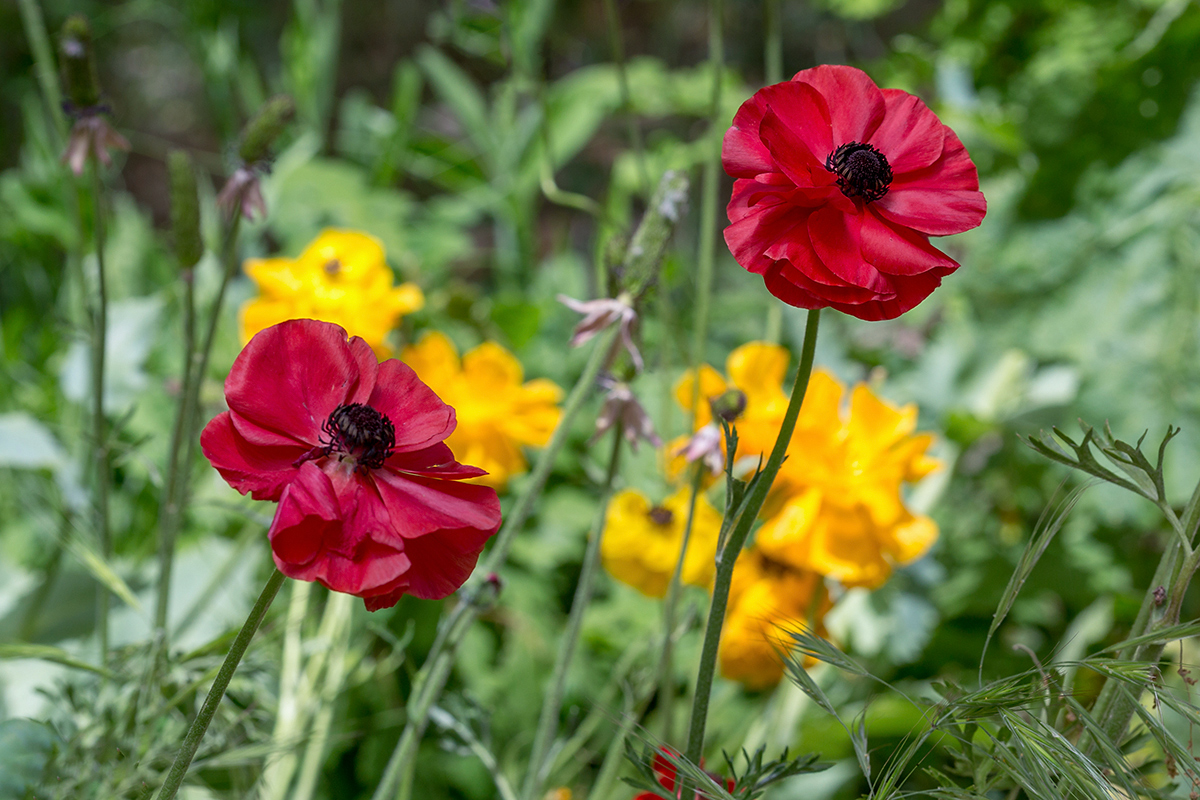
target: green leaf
459 92
47 652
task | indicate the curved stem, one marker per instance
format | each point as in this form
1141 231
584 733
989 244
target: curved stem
435 671
100 460
727 556
552 703
195 734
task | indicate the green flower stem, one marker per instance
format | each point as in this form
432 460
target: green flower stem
195 734
552 702
727 556
172 517
100 458
435 671
43 61
666 675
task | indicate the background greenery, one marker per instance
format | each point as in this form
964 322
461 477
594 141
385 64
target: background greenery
429 125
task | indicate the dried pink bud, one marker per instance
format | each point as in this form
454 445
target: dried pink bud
91 135
242 194
705 446
598 315
620 404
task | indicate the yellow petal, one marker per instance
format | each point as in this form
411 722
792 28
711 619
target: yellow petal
787 536
435 360
346 257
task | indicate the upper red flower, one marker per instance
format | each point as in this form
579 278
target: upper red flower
839 186
369 496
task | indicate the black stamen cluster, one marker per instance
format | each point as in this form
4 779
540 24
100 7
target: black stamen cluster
661 516
862 171
361 431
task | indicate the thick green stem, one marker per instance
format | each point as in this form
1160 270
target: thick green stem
666 675
195 734
552 702
432 677
727 556
100 461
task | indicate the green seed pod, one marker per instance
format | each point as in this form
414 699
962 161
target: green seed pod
185 209
644 254
78 62
262 131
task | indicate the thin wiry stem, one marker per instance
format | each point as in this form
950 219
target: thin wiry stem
43 61
552 702
618 49
100 460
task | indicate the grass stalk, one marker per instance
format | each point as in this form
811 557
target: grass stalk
552 702
100 456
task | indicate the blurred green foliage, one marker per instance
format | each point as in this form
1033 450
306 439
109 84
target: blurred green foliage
437 128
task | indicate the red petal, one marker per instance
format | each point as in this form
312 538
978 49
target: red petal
307 520
910 291
742 152
793 138
443 560
856 105
435 462
910 135
795 288
264 472
942 199
750 236
745 154
418 505
291 376
900 251
420 417
836 240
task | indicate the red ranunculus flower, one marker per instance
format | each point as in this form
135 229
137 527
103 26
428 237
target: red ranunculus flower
370 498
666 773
839 186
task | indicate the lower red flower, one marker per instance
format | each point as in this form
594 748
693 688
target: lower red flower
371 501
667 775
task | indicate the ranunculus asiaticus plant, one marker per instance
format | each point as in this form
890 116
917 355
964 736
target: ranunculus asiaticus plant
667 775
498 411
766 600
341 277
371 499
640 544
839 185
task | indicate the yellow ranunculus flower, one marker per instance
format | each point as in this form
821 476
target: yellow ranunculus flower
766 600
496 412
641 542
836 507
341 277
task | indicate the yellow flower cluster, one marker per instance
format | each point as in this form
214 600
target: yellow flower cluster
341 277
640 544
497 413
836 509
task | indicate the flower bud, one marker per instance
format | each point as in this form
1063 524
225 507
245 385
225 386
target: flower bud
729 406
185 209
262 131
78 63
644 254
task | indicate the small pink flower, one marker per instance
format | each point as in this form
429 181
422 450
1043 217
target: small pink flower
705 446
91 135
598 315
242 194
621 404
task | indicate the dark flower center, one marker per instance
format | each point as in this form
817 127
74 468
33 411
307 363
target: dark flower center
661 516
362 432
862 171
